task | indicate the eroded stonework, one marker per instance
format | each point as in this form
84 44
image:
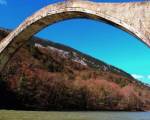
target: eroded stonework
131 17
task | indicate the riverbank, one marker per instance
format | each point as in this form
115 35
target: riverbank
42 115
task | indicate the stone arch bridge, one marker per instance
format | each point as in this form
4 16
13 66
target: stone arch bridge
133 17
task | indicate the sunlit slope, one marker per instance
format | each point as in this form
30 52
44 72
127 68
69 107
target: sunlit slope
44 75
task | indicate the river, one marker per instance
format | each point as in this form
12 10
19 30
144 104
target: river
31 115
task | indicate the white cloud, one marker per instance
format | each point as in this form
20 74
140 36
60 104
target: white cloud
137 76
143 78
148 76
3 2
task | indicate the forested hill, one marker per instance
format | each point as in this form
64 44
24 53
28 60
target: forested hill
44 75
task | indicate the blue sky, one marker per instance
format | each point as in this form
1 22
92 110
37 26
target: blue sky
97 39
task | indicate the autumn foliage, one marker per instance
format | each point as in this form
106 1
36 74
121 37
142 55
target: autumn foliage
37 78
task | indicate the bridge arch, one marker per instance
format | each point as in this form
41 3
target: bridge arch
106 12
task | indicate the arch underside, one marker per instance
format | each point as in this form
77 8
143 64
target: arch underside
38 21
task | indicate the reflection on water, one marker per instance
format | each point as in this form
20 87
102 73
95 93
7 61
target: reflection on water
30 115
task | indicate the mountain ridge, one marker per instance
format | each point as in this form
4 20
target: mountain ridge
43 75
46 43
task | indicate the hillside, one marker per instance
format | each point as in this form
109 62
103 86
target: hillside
44 75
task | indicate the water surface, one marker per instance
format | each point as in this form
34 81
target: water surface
30 115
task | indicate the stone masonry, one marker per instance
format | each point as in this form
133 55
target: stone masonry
133 17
